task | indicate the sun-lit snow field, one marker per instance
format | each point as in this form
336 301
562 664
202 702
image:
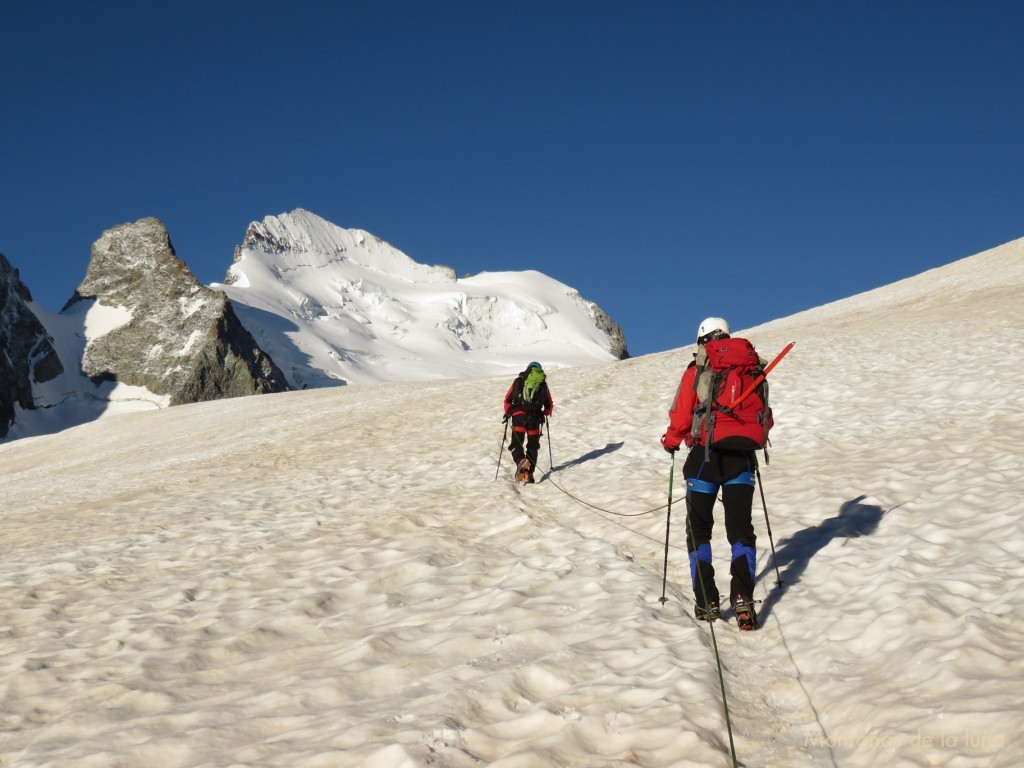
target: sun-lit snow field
335 577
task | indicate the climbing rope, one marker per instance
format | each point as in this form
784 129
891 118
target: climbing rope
714 639
711 624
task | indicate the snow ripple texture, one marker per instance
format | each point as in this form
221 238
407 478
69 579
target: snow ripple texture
335 578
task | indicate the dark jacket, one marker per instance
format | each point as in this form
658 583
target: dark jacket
514 404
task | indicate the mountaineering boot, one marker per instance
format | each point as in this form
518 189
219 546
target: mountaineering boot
705 593
523 472
709 612
746 616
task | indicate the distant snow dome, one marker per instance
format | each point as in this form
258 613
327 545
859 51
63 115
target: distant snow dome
336 306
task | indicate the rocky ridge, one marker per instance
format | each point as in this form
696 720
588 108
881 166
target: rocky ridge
178 338
28 355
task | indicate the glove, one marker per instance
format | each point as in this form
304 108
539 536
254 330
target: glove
668 448
504 419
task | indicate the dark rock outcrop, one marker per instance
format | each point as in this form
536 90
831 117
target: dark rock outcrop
611 329
176 337
27 354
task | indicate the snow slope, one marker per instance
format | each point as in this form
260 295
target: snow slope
334 306
335 578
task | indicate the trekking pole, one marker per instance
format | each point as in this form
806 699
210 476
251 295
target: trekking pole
502 449
764 506
668 522
551 461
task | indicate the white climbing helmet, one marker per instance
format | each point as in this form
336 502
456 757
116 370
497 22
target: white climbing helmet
710 326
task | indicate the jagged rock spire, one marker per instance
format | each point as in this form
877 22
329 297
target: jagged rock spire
178 338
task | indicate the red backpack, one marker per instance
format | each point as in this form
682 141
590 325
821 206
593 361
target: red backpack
732 365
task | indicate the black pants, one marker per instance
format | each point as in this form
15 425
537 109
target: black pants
526 438
733 473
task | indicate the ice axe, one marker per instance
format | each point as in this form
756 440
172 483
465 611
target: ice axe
753 385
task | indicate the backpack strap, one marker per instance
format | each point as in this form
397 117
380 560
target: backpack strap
704 381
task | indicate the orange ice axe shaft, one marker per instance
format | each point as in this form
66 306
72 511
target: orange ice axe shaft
759 379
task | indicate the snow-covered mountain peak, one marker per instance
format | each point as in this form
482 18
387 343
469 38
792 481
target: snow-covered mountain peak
333 305
301 240
311 304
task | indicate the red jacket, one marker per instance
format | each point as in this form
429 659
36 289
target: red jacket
747 427
680 415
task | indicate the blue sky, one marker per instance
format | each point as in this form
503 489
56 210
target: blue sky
670 160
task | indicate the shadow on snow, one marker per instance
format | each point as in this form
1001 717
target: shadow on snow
856 518
610 448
